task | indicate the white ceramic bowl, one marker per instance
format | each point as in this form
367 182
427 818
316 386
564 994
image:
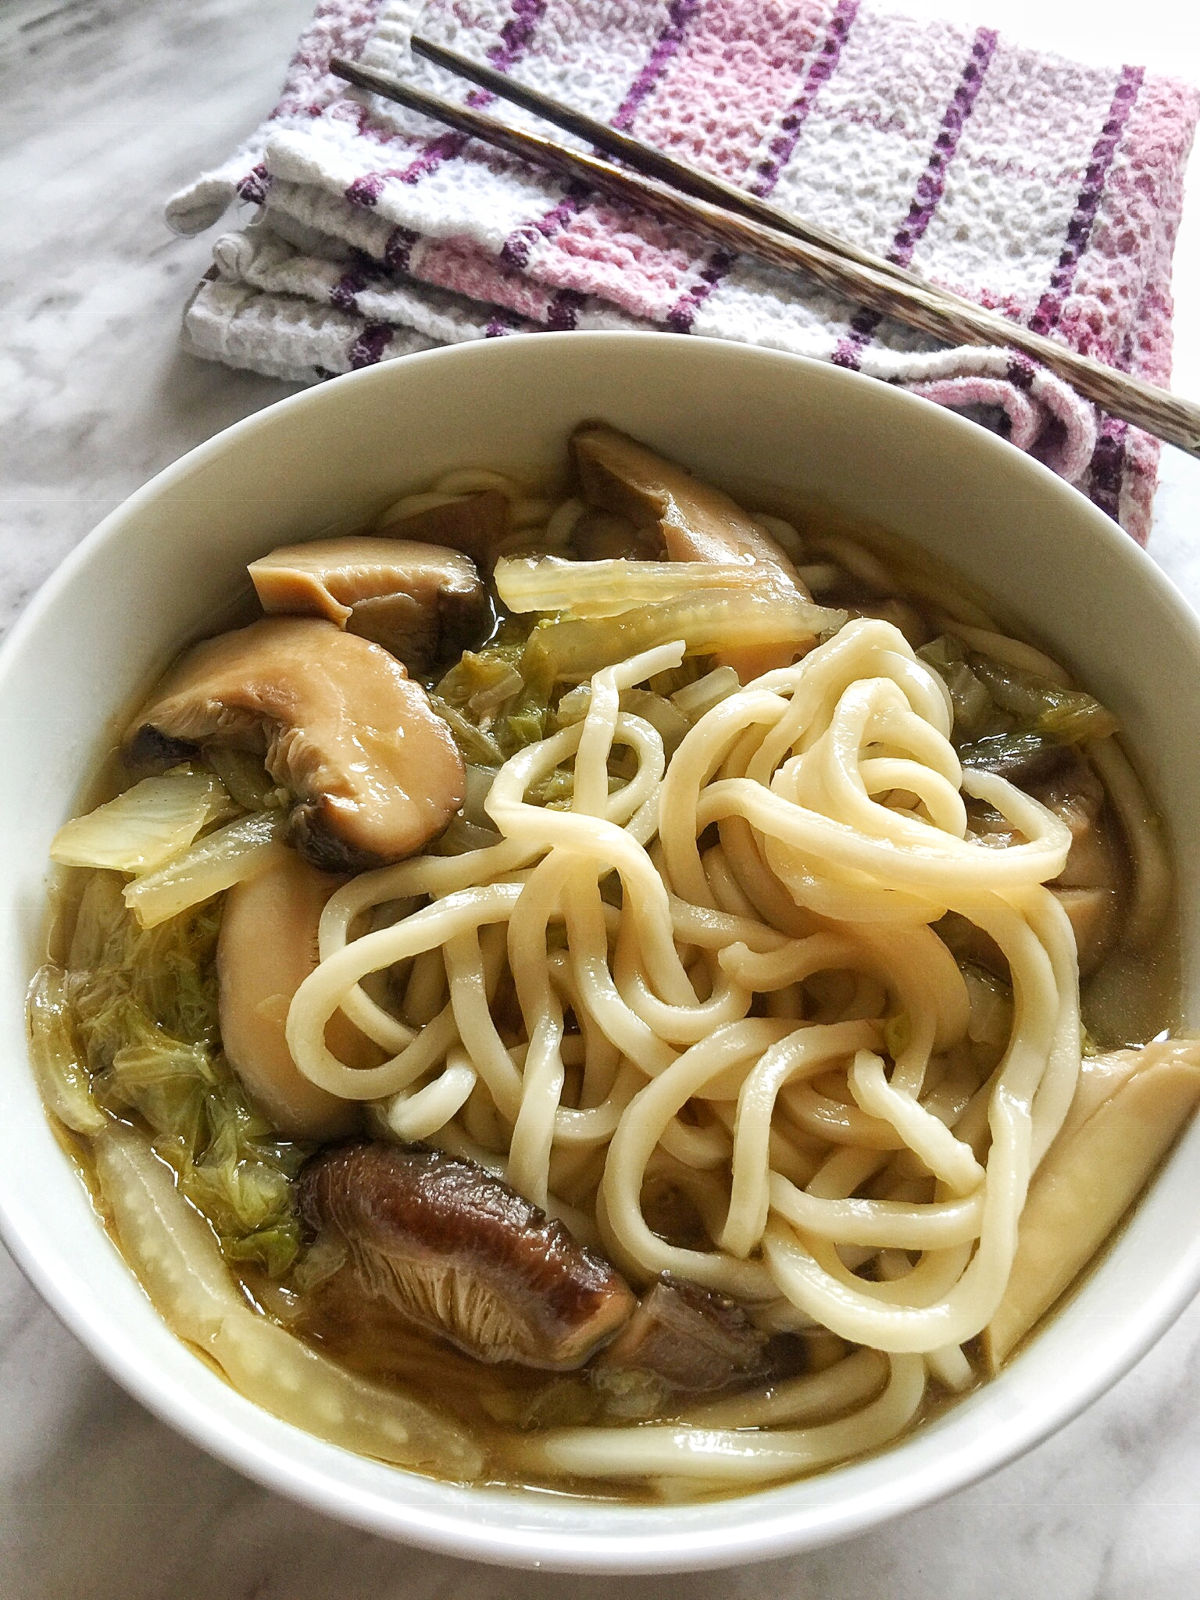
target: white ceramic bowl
169 560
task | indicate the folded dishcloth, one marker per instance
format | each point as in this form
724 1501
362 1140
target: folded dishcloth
1045 189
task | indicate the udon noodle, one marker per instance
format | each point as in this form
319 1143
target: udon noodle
712 979
794 771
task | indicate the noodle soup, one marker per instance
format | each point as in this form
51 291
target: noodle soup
659 1071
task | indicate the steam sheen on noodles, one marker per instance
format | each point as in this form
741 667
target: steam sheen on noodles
727 982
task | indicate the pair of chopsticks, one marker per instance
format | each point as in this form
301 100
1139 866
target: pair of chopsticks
728 216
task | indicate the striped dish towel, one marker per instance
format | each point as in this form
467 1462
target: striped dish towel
1045 189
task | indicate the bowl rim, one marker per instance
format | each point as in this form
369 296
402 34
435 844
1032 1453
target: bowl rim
771 1527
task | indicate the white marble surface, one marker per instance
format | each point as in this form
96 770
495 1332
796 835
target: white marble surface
107 106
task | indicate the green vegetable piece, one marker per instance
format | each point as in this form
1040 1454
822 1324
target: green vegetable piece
274 1248
165 1080
168 970
141 1008
973 705
992 697
221 859
56 1054
489 703
173 1252
523 727
476 747
706 620
605 588
480 675
1068 715
247 779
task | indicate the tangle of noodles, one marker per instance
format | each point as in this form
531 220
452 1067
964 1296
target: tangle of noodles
771 1066
767 987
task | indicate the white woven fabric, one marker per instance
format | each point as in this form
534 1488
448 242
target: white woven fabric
1046 190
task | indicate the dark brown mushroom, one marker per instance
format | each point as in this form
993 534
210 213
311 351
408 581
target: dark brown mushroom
690 518
423 602
460 1254
374 772
688 1337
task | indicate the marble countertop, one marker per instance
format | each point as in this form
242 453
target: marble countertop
108 107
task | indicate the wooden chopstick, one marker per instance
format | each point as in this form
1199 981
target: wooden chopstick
877 285
654 163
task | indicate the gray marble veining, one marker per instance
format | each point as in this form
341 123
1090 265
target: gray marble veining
106 108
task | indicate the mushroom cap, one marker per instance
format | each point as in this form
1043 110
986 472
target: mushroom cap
422 602
461 1254
374 771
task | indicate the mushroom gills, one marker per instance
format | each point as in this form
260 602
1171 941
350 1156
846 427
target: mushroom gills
458 1253
373 771
423 602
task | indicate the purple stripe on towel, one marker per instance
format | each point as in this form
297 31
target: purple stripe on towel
779 152
1108 466
564 310
932 183
515 39
397 252
519 245
345 292
1079 230
503 322
368 348
931 186
679 14
1111 455
781 147
683 313
516 35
